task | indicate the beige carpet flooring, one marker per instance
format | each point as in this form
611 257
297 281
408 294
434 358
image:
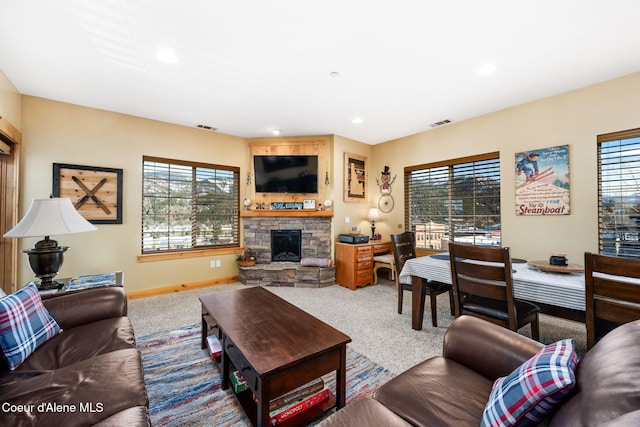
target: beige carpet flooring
368 315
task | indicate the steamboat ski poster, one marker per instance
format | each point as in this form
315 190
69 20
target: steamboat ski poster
542 181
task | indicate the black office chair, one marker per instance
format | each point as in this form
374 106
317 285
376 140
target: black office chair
403 247
485 289
610 300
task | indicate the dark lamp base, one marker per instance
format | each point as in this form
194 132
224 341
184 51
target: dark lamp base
50 285
45 260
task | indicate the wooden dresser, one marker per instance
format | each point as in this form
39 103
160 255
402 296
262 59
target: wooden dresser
354 263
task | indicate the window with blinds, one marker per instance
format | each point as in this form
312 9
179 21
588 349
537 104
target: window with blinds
619 193
188 205
455 200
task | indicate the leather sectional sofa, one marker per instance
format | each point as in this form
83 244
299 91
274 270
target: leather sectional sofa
89 374
453 390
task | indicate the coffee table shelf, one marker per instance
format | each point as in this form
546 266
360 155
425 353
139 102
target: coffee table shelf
245 399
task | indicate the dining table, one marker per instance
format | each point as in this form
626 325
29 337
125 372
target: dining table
560 294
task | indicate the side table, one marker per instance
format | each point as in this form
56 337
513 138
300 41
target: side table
119 279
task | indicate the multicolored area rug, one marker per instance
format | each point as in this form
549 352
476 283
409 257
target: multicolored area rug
184 384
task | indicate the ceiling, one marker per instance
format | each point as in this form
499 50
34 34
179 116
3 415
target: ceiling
248 67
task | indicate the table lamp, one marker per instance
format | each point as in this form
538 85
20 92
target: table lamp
374 215
49 217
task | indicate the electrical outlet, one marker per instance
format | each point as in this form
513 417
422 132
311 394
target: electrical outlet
212 264
217 263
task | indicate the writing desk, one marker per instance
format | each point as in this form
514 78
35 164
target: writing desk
561 295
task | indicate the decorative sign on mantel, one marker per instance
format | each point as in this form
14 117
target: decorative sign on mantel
542 181
286 205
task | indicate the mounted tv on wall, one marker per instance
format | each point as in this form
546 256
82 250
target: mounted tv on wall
286 174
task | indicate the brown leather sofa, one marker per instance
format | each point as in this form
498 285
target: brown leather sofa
90 374
452 390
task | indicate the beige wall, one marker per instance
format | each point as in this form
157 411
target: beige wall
9 101
573 118
56 132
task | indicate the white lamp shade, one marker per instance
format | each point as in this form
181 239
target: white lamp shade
374 214
50 217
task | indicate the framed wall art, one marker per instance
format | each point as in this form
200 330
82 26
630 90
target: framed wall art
542 181
355 178
95 192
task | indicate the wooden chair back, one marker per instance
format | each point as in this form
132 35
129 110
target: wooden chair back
482 271
612 286
403 248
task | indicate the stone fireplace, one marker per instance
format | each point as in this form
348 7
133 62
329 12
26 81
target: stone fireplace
315 235
272 270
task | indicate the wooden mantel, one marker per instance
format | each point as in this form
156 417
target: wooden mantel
287 212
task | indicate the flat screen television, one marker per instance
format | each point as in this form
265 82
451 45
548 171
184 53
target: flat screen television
286 174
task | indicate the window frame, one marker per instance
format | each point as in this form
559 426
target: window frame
199 250
451 216
626 163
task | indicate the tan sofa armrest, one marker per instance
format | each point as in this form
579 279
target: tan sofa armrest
486 348
87 306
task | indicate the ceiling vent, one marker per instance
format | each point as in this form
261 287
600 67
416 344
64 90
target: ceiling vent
206 127
440 123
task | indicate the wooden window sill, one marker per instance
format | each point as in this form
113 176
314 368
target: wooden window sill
163 256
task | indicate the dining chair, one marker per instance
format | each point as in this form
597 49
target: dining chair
483 287
611 295
404 248
383 261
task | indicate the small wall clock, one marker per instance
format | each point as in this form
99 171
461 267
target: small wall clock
94 191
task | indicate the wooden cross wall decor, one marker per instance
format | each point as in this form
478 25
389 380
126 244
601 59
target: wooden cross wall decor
96 192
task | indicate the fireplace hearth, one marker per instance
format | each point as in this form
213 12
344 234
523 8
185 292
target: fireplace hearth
286 245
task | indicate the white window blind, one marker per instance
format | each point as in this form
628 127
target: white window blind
455 200
619 193
188 205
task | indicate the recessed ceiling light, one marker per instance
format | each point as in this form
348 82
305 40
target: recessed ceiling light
487 69
166 55
276 132
357 120
334 74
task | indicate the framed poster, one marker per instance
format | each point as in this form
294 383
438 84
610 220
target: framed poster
355 178
542 181
94 191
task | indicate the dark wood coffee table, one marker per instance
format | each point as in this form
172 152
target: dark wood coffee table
276 347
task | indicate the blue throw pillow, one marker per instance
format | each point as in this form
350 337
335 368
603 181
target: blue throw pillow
532 391
25 324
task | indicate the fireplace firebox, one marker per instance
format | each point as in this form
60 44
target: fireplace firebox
286 245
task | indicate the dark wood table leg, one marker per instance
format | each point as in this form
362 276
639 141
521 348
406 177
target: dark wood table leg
262 405
417 302
341 379
225 363
205 327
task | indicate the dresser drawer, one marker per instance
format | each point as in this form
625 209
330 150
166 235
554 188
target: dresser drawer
364 263
363 277
363 251
382 248
241 364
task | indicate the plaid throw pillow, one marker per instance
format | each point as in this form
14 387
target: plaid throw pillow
25 324
534 389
